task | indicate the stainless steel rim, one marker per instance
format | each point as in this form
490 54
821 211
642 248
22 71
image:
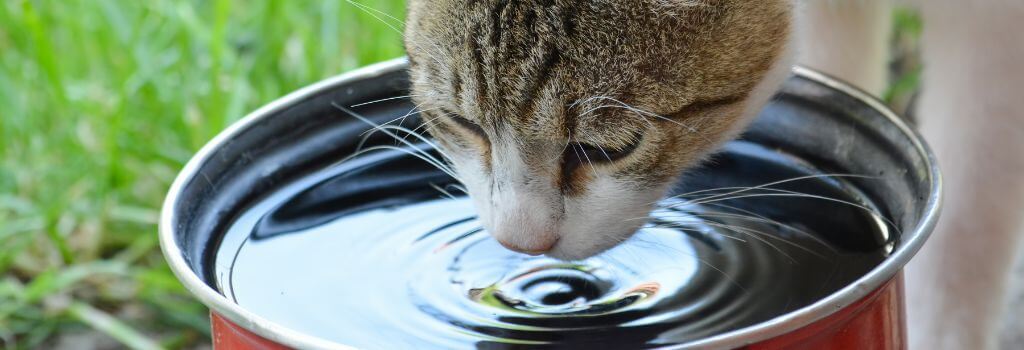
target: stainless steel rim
759 332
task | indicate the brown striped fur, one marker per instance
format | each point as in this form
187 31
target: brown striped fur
674 78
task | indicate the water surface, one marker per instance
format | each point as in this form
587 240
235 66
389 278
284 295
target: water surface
368 254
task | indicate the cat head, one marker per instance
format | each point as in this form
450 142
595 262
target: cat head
567 119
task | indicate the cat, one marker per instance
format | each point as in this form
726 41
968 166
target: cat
565 119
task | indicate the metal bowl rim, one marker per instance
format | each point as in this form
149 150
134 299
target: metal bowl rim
778 326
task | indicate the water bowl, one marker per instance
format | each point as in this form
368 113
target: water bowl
300 227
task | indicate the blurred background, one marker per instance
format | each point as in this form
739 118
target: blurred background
103 101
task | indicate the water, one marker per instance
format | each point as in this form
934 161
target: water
368 254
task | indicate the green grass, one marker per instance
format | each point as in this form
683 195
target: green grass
906 67
101 102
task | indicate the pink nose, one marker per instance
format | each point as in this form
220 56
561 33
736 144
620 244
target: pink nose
533 249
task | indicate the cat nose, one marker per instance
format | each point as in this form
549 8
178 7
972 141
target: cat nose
535 249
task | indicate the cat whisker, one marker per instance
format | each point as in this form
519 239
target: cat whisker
382 128
791 194
620 105
748 232
758 235
660 222
683 228
639 111
629 248
597 145
585 156
400 120
765 221
776 237
382 100
594 109
369 10
712 200
420 137
767 192
417 109
385 14
459 187
424 124
413 153
639 255
780 182
755 216
644 115
568 140
420 153
579 102
443 191
373 12
366 135
369 133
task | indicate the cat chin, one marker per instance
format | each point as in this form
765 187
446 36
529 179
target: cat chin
597 223
587 241
567 250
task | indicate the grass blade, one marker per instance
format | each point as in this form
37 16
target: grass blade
104 322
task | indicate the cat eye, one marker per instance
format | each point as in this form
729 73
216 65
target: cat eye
577 154
467 124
